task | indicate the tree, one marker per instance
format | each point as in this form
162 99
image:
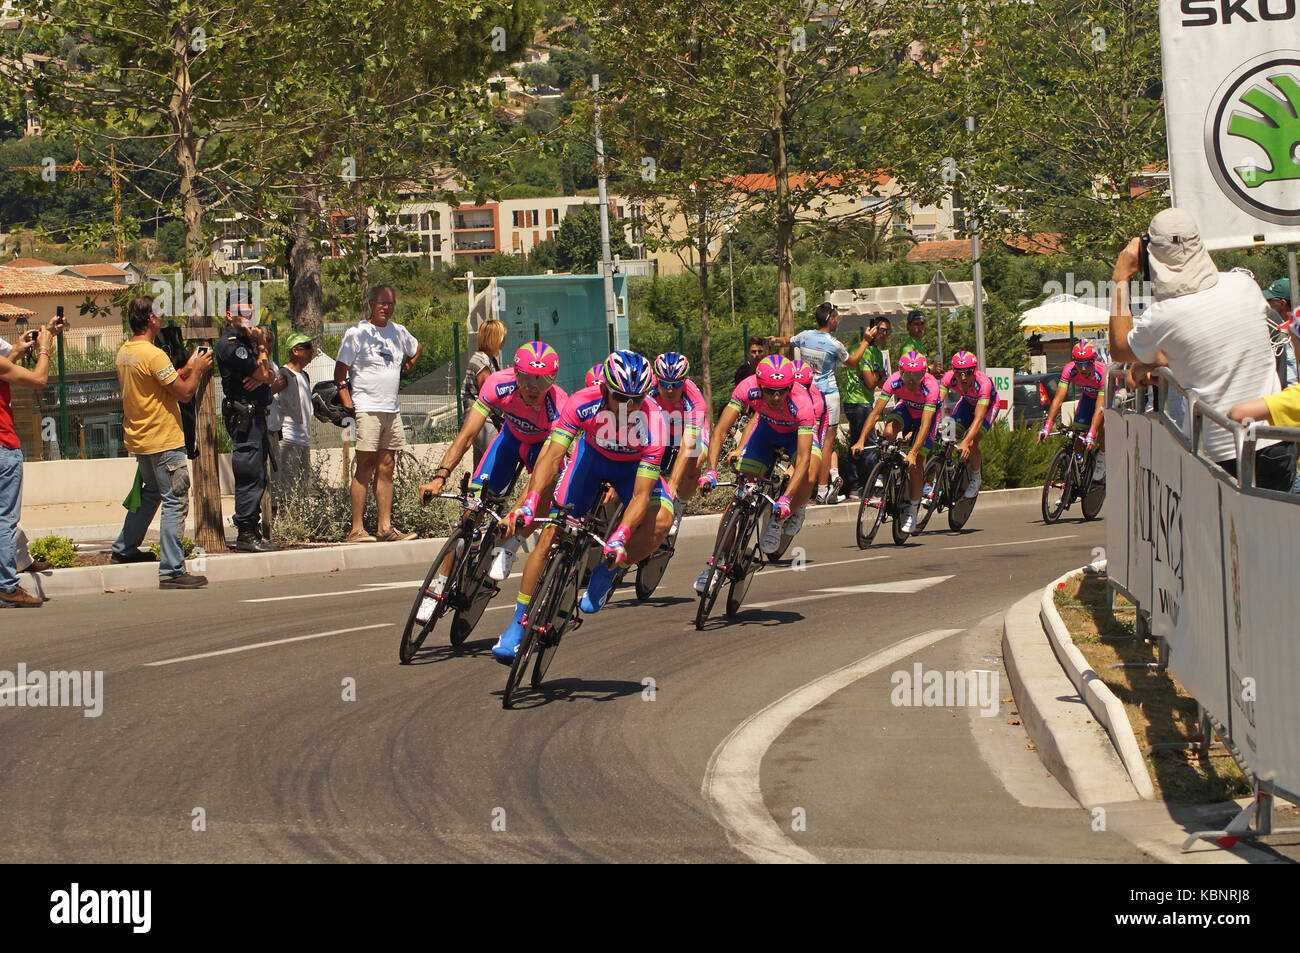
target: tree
576 246
171 241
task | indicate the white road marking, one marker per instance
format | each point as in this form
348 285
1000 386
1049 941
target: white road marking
731 785
813 565
901 585
366 587
1014 542
262 645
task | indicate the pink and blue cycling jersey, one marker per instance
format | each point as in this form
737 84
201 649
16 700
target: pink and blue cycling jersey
685 416
529 425
982 390
794 414
909 401
639 437
1091 383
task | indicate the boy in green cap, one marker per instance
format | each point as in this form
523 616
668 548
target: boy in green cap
294 395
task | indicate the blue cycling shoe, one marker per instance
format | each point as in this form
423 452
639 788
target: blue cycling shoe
594 599
508 643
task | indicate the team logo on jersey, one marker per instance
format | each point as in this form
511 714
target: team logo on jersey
1252 133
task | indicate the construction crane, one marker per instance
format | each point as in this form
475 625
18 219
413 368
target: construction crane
77 167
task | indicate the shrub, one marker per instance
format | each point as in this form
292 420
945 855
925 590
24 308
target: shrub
188 548
1014 458
58 551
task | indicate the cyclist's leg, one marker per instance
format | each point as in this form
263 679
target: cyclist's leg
754 460
653 529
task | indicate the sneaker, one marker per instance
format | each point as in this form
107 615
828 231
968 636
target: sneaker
249 541
771 540
508 643
427 605
1099 470
598 588
139 556
909 521
702 579
503 560
795 522
360 536
20 598
973 488
182 580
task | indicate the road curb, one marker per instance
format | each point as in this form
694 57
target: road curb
1101 701
234 567
1069 742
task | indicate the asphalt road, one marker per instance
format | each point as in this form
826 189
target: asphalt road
261 748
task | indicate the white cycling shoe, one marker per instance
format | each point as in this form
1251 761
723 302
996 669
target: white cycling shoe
503 560
973 488
909 521
795 522
771 540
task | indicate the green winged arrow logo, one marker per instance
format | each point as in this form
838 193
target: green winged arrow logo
1278 133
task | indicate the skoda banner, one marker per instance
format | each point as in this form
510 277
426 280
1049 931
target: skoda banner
1232 110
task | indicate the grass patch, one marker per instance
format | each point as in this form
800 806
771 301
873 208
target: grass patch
1158 707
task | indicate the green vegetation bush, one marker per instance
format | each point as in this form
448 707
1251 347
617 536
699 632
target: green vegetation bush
58 551
1015 458
188 547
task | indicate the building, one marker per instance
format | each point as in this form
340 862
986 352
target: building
42 294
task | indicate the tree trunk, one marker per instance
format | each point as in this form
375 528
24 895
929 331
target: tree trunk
363 253
306 312
784 216
706 364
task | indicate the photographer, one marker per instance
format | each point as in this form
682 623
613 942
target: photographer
11 458
246 378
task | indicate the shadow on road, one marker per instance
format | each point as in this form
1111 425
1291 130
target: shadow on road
573 690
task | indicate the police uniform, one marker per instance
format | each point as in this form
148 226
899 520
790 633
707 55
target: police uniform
237 359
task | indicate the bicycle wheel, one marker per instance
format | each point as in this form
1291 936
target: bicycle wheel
962 505
416 632
898 508
931 495
476 591
539 616
744 566
1056 486
871 511
1094 492
717 572
561 615
651 570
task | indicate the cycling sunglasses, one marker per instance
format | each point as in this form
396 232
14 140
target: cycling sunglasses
671 385
774 391
623 398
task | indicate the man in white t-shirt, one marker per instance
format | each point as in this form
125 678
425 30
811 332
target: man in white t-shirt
368 371
1208 328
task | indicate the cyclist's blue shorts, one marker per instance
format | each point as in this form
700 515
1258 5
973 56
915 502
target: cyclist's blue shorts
910 423
498 464
585 469
759 451
964 414
1083 411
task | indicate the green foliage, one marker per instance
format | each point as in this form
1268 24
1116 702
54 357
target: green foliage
171 242
58 551
1014 458
188 548
576 246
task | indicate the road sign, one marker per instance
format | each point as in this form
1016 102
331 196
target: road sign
939 293
1004 380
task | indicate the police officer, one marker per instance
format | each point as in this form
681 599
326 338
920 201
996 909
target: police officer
246 379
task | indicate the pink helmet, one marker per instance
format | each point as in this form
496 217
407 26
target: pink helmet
775 371
1084 351
537 357
912 361
803 373
964 361
593 375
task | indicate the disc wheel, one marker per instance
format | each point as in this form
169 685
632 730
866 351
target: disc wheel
562 615
962 506
746 568
476 591
415 633
899 508
1094 498
717 572
539 617
871 511
1056 486
651 570
929 500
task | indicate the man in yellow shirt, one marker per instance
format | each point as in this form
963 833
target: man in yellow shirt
151 419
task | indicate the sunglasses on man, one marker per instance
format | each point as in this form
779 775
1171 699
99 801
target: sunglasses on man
774 391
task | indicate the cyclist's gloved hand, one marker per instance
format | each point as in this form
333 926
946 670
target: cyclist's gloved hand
524 513
1090 440
782 508
709 480
1045 432
616 545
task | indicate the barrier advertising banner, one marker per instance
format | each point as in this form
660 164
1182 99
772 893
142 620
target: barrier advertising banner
1159 486
1115 509
1231 72
1139 547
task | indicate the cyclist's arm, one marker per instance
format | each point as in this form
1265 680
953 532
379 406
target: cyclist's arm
799 473
1057 401
474 421
872 419
726 420
1098 415
981 411
547 467
749 429
634 513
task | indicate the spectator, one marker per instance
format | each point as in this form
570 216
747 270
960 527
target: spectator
757 351
860 393
1208 328
915 340
246 379
151 420
368 372
484 363
11 460
293 394
1278 296
23 558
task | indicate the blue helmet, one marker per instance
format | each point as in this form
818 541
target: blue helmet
627 372
672 367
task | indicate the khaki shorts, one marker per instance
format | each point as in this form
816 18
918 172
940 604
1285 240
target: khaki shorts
376 432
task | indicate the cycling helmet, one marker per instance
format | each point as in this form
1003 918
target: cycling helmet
672 367
803 373
1084 351
775 372
537 357
593 375
626 372
964 361
912 361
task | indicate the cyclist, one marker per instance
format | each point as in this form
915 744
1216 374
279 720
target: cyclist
529 401
785 419
977 403
916 394
593 375
1084 371
688 428
609 432
803 374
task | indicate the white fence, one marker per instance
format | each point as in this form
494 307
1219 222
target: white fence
1211 561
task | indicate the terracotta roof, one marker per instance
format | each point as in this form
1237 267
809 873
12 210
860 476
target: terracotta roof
21 283
957 250
97 271
1040 243
8 311
763 182
28 263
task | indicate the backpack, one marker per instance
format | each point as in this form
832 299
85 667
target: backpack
171 341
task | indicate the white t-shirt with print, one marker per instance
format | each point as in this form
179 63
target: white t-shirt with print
375 356
1216 342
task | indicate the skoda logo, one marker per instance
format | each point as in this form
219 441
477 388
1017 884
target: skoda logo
1252 137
